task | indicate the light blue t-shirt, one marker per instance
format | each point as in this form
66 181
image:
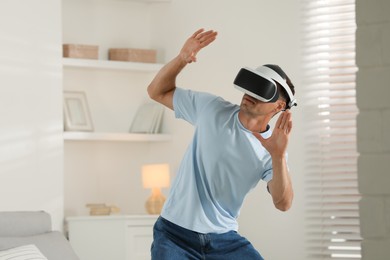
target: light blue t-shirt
222 164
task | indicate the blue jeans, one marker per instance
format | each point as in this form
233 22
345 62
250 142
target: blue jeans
172 242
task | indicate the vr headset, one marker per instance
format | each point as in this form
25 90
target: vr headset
261 84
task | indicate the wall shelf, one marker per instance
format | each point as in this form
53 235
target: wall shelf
111 65
122 137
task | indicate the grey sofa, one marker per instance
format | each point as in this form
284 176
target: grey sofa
23 228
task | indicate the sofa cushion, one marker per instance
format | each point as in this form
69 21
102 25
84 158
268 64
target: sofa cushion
14 224
52 244
26 252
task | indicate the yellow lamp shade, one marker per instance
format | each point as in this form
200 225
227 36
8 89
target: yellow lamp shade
155 176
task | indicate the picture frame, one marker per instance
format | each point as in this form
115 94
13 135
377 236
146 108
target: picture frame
77 116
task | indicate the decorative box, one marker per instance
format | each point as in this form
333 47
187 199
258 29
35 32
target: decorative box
80 51
135 55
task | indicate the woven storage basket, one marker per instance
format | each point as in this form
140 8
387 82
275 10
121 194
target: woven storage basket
80 51
134 55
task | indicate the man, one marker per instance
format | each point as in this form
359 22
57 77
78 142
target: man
232 149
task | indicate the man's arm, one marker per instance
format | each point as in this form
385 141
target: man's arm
163 85
280 186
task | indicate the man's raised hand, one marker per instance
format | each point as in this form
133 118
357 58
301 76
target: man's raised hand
195 43
277 143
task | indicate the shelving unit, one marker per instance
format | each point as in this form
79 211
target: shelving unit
111 65
103 166
121 137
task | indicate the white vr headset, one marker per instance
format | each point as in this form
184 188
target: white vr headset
261 84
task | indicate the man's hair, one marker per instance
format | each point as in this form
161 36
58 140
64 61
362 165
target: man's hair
281 90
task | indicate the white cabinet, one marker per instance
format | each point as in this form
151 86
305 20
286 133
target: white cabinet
112 237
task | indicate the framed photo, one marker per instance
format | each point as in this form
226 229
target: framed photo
76 112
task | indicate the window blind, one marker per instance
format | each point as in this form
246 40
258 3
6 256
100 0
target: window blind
329 108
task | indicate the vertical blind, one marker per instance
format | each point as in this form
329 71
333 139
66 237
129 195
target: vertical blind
330 124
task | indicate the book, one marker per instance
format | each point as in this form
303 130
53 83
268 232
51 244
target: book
148 119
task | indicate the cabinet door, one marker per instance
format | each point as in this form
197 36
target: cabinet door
98 239
139 241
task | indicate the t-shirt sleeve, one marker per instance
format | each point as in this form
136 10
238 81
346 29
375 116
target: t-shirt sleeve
267 176
188 104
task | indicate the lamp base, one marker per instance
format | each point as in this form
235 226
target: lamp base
155 202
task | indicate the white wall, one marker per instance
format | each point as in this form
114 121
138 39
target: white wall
31 146
373 125
251 33
106 23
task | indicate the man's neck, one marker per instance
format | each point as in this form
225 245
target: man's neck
257 124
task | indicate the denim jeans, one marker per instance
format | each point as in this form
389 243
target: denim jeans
172 242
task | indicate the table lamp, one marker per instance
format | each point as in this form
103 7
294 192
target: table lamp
155 177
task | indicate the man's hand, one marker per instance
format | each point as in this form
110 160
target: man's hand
163 85
280 186
195 43
276 145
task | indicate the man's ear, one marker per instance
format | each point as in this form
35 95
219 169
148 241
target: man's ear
281 105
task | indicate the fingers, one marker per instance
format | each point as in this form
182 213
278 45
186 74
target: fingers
195 43
284 122
197 32
209 39
204 38
289 127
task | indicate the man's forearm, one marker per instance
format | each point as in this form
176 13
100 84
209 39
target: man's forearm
165 80
280 186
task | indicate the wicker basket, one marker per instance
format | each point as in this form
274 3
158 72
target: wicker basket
80 51
134 55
